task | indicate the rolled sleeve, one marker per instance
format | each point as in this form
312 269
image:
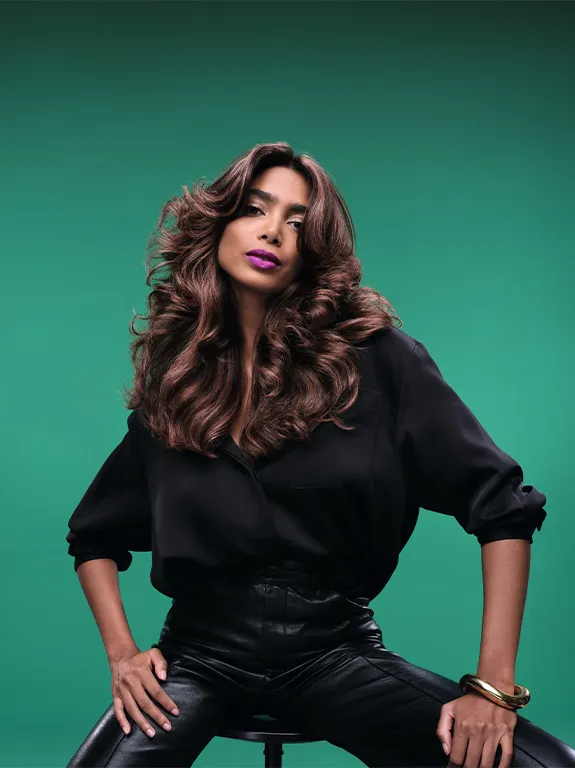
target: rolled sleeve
453 466
113 516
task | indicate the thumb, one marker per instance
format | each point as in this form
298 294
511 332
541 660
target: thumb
158 662
444 726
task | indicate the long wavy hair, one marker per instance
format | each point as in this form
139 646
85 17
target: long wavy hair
188 383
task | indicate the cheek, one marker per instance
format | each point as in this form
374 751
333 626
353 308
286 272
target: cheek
227 245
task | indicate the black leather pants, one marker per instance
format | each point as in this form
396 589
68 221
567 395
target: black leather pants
277 642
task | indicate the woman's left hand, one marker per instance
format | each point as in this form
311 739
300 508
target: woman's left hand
479 726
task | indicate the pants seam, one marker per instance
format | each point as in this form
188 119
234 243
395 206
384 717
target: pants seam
397 677
429 695
120 740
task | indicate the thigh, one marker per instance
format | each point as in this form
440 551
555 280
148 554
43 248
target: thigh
203 705
385 710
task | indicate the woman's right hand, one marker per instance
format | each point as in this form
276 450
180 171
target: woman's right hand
132 680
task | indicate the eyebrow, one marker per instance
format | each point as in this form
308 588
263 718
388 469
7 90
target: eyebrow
270 198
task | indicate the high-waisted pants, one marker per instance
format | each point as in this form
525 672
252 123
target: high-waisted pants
276 641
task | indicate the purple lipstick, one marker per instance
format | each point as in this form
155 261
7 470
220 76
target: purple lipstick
263 259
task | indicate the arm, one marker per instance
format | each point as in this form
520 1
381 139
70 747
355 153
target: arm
481 727
99 580
113 517
505 566
453 466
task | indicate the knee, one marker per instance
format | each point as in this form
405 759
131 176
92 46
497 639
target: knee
537 747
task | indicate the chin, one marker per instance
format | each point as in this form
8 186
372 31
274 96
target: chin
259 286
254 278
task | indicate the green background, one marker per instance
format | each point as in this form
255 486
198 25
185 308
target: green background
449 130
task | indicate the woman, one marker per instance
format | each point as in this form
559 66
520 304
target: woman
284 434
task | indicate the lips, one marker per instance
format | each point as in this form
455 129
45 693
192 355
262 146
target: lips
264 255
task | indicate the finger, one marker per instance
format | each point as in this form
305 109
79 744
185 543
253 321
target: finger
489 753
444 727
159 663
474 750
137 716
120 714
458 746
506 750
148 706
162 698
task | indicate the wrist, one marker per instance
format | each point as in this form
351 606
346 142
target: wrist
505 681
476 684
117 652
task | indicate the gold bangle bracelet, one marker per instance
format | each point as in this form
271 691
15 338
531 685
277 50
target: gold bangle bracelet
517 700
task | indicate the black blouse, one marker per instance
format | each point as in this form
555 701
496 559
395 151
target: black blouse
341 497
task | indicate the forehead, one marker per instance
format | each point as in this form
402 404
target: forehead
284 183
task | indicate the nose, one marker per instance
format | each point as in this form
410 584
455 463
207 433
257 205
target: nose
274 240
271 231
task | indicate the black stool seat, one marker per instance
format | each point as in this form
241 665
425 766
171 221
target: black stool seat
263 728
273 731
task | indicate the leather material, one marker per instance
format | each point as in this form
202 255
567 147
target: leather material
279 642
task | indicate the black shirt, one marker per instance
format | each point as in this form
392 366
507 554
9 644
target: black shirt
351 497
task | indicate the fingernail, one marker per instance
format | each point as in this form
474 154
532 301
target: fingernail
163 674
150 732
126 729
445 747
166 726
175 711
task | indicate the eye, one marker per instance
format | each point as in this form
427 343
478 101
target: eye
255 208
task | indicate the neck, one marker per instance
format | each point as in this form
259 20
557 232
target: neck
251 308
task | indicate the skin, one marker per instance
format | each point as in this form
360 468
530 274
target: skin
471 726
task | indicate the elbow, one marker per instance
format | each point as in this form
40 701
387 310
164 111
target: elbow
83 549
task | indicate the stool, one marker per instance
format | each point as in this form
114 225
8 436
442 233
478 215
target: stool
274 732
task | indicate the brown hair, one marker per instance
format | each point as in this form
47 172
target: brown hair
188 384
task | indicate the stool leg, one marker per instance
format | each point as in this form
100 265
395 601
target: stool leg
273 755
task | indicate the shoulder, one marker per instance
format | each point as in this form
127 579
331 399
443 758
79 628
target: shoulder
133 420
385 358
391 349
136 425
392 343
395 356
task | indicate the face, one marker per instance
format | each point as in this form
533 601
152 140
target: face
269 218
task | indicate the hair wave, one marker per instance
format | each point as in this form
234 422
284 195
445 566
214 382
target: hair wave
188 385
